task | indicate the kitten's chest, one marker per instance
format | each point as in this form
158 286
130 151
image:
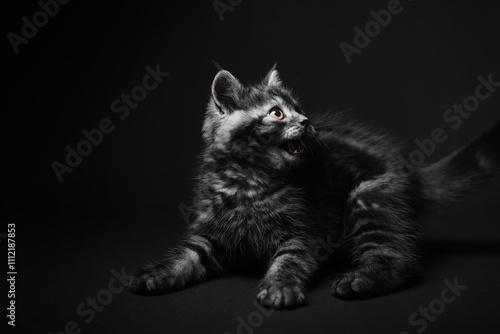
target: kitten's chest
251 209
252 215
251 228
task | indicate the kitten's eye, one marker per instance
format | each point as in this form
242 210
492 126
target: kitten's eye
276 113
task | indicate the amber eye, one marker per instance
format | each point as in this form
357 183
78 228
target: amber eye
276 113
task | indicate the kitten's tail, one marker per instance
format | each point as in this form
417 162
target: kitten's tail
464 170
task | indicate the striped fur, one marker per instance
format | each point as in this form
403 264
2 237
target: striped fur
258 200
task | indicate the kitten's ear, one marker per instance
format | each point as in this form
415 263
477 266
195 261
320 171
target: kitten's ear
272 78
225 91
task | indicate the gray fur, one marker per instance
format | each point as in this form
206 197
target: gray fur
268 189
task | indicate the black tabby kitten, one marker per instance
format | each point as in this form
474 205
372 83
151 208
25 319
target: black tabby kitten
273 183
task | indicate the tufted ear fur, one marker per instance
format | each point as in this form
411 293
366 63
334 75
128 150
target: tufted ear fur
272 78
225 91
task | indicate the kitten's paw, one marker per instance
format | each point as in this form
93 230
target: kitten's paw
352 285
151 281
281 296
359 284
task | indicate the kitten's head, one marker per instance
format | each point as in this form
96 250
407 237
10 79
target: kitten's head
260 124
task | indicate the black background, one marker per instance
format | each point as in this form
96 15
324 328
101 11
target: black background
119 207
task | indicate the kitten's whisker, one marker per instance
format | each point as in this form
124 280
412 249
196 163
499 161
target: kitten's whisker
322 122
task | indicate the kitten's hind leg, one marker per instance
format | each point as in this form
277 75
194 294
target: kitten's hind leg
381 239
284 283
193 261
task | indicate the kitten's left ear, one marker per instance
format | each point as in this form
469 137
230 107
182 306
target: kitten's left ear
225 91
272 78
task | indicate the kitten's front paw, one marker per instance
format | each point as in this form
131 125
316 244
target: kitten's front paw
281 296
351 285
359 284
151 280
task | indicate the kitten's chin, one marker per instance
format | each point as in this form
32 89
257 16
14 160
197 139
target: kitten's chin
285 157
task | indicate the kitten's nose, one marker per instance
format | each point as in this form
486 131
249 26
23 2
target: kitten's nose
304 121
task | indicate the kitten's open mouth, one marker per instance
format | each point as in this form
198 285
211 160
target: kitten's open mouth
293 148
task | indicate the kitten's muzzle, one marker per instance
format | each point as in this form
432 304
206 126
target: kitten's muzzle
294 146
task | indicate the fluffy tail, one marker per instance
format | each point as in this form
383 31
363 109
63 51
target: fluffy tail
465 170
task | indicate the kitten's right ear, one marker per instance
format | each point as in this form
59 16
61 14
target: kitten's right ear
225 91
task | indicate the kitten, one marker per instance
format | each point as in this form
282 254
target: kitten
273 183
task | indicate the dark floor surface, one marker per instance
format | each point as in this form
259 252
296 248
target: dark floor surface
75 264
